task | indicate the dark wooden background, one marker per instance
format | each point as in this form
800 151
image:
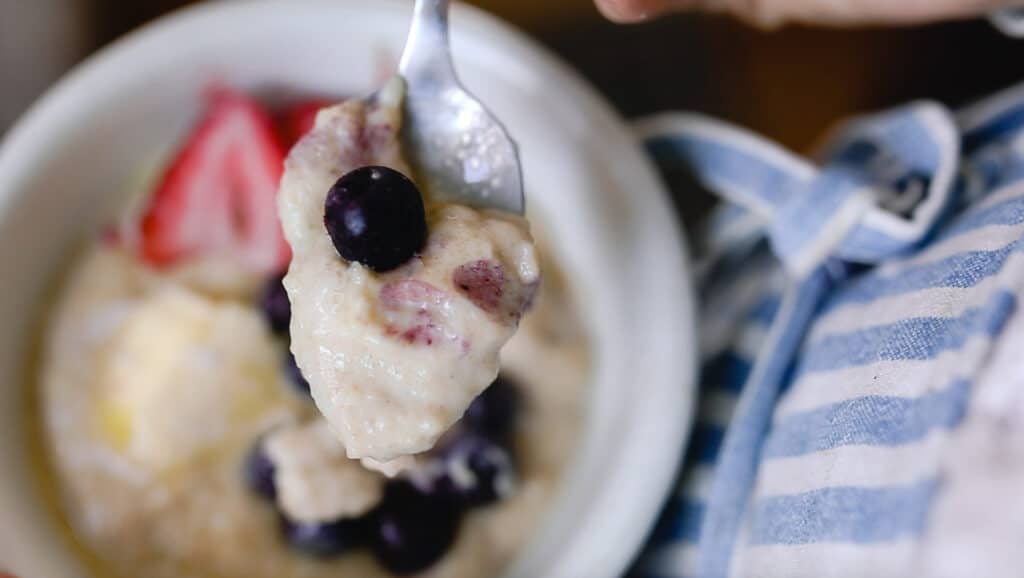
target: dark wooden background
790 84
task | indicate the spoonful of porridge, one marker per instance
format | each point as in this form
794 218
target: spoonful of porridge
411 263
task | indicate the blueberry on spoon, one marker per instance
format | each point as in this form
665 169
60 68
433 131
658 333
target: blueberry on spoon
375 216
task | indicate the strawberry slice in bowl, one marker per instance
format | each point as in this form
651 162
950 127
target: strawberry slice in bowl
217 196
298 119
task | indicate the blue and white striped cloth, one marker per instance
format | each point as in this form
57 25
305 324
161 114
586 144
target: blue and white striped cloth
853 309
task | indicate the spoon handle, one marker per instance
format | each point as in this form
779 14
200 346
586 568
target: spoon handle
427 60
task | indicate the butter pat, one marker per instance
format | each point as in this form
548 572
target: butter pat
181 373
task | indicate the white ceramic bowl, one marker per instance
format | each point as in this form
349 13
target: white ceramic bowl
613 226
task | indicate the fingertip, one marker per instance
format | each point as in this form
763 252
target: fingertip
627 11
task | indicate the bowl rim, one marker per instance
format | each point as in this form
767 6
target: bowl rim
642 495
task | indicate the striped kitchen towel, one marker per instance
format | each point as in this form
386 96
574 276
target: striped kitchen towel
862 403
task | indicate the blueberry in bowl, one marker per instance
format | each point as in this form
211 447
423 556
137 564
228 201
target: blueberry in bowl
493 413
325 540
412 529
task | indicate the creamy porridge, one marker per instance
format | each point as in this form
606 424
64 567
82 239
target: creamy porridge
180 438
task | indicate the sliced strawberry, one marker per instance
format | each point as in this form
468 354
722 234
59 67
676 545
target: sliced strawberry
299 118
217 197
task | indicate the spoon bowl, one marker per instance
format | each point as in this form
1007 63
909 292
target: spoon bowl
456 146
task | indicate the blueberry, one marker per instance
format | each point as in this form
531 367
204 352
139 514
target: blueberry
412 530
476 471
276 307
494 412
325 539
298 380
259 472
375 216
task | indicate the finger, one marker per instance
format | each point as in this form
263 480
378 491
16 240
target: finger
770 13
639 10
850 12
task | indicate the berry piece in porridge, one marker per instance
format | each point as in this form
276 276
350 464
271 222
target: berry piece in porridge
375 216
489 288
411 308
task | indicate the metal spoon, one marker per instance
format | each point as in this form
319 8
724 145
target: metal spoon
456 145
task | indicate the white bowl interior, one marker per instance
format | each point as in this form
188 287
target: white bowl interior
612 225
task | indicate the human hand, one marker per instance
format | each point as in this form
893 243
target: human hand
833 12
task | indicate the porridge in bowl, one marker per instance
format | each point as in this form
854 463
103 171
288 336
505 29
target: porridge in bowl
180 437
